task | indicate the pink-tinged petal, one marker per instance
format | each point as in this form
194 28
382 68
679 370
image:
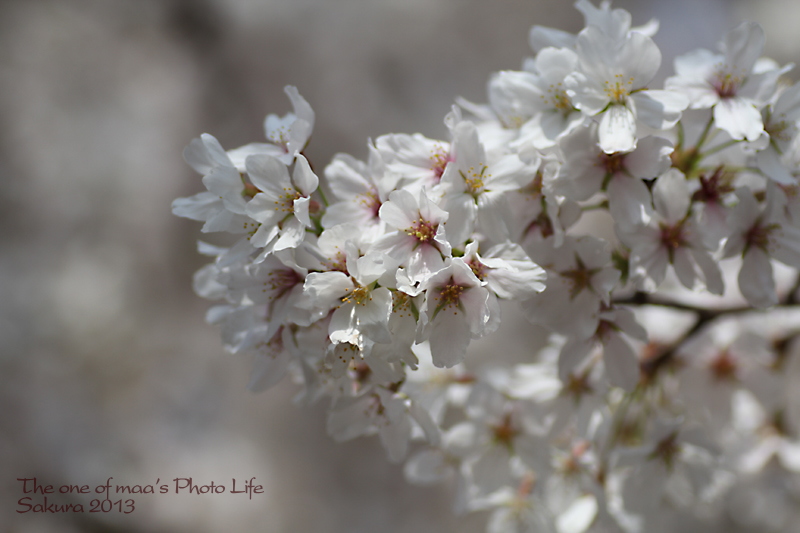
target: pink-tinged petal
269 175
622 365
739 118
660 110
373 315
755 279
304 178
617 130
449 338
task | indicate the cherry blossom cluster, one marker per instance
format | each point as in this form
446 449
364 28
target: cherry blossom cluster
663 397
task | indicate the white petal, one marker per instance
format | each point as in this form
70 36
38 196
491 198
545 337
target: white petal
622 365
449 338
304 178
373 315
743 46
671 196
660 110
617 131
755 279
269 369
268 174
739 118
427 467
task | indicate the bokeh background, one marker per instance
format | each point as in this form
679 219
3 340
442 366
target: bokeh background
106 365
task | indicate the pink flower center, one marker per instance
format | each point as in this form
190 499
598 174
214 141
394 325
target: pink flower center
439 159
279 282
726 82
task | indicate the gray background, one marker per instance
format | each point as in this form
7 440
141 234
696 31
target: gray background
107 367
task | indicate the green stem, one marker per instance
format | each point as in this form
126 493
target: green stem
703 135
719 147
322 195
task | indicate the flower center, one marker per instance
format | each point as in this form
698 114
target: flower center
726 82
478 268
723 367
422 230
505 432
672 237
667 449
358 295
556 98
619 89
279 282
612 163
450 294
285 202
474 180
371 201
758 235
439 159
449 297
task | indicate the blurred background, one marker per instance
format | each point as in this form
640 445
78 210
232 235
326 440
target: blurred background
106 364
